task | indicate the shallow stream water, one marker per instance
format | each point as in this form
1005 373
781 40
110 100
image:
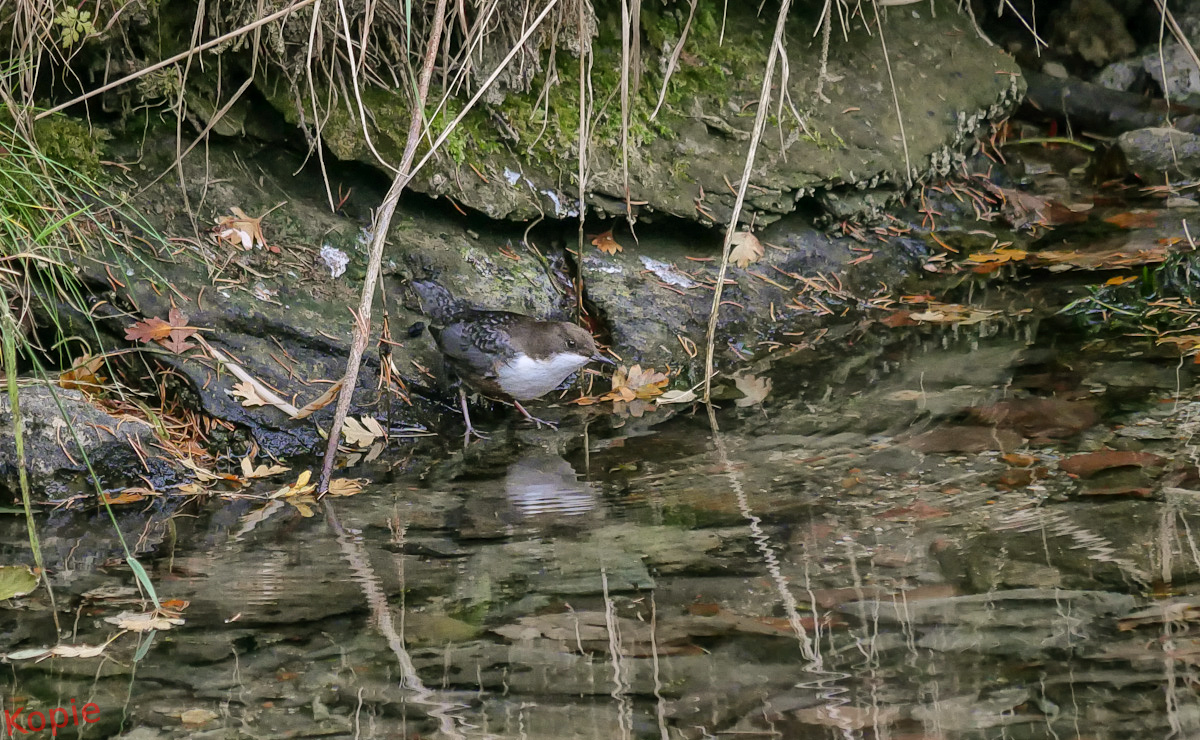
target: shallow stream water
869 553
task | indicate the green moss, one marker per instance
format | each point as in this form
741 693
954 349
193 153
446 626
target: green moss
70 143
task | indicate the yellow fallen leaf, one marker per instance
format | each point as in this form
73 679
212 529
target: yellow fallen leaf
300 488
999 255
345 486
1120 280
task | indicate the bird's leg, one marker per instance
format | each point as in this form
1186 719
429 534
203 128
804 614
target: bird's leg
471 430
532 418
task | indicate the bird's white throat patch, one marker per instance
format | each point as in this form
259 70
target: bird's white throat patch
525 378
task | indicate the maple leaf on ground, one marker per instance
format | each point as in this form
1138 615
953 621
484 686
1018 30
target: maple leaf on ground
84 374
606 243
754 389
364 433
149 330
171 334
240 229
249 395
747 249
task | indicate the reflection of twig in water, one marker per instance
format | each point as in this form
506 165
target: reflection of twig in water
763 541
620 690
381 616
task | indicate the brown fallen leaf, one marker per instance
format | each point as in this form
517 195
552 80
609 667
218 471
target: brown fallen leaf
240 229
606 243
747 249
84 374
148 330
171 334
321 402
1087 464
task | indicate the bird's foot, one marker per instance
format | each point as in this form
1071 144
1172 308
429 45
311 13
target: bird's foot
534 419
471 430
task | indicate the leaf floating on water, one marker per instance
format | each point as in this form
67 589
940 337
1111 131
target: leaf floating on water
606 243
16 580
300 488
144 622
999 256
754 390
669 397
362 433
345 486
747 249
127 496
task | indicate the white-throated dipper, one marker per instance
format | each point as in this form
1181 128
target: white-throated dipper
508 356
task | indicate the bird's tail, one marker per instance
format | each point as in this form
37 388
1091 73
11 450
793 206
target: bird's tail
436 301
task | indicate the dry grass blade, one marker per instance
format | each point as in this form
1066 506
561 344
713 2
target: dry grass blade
674 60
760 120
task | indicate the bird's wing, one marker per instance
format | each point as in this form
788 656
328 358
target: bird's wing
477 343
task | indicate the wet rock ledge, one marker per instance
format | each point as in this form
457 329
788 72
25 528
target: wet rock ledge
500 229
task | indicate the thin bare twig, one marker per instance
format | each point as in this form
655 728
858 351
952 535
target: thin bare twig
760 119
383 218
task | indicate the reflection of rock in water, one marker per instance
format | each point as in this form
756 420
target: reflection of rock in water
541 483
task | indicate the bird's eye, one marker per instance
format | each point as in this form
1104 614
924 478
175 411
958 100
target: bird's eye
571 343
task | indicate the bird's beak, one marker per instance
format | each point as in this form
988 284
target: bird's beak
601 358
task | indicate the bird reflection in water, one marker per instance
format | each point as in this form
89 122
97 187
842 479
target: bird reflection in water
541 484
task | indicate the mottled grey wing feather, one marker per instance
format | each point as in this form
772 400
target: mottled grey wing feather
476 341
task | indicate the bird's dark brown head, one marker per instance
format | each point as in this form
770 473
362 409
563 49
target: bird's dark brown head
543 339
